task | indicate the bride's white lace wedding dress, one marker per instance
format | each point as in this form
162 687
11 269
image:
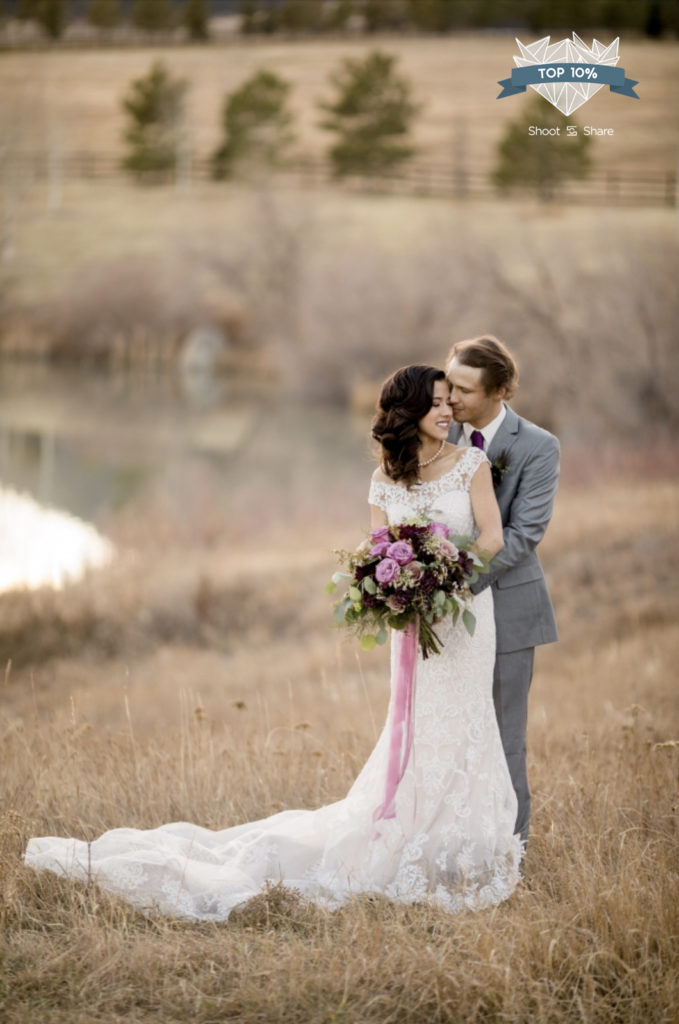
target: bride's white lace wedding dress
450 843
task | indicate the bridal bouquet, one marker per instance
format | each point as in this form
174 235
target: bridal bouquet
411 574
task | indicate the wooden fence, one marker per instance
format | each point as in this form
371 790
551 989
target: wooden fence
417 178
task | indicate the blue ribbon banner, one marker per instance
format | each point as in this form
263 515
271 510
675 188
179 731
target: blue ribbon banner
562 74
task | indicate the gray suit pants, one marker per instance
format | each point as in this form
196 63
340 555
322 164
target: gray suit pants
511 683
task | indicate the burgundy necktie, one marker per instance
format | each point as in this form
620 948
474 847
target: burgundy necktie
477 439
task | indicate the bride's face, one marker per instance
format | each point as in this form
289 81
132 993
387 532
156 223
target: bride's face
436 424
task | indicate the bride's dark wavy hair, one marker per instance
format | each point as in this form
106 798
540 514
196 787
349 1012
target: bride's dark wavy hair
406 397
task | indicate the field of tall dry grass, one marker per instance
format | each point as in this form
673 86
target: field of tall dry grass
193 681
199 676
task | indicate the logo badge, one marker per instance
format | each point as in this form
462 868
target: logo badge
567 73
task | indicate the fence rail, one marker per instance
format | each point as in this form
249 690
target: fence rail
417 178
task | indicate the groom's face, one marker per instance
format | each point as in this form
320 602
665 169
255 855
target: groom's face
468 398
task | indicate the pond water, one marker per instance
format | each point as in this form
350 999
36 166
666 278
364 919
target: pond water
98 446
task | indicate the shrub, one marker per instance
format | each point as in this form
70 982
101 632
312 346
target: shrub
256 125
541 163
104 13
155 108
371 115
195 19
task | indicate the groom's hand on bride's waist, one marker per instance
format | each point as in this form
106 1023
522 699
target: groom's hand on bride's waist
481 583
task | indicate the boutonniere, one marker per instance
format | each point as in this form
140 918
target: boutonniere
498 467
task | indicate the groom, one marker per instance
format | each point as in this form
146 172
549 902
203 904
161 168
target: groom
525 468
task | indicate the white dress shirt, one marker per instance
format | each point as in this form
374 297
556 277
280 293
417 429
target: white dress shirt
489 431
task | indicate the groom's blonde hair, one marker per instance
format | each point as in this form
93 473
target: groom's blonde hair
487 353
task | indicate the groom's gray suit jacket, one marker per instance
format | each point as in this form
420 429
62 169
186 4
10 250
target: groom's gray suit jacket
524 616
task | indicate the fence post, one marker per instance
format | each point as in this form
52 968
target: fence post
460 183
612 186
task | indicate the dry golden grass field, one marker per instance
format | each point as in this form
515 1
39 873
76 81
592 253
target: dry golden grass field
79 93
187 682
199 676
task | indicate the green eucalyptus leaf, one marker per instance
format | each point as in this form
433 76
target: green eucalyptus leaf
368 642
354 593
330 587
397 620
382 636
369 585
340 611
469 620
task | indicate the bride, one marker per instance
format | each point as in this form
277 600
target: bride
450 840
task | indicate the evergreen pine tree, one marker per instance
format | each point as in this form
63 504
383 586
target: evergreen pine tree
654 26
380 15
153 15
28 10
51 14
444 15
433 15
104 13
256 123
371 115
338 17
248 15
154 105
617 15
299 15
541 162
53 17
195 18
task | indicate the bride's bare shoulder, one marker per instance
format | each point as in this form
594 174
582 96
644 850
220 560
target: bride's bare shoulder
380 477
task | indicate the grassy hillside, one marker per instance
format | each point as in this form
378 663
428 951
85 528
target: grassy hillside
190 684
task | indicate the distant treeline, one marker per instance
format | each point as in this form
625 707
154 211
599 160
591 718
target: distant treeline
654 18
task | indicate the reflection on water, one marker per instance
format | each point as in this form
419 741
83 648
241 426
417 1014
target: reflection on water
42 547
96 445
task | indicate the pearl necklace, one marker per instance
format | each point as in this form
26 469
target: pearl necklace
434 457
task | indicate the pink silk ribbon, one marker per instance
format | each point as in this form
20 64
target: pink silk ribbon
401 720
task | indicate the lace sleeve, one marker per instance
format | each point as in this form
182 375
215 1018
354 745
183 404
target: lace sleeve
377 495
473 458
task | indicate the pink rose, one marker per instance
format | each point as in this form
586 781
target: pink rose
396 602
387 570
380 549
413 570
401 552
448 549
381 535
439 530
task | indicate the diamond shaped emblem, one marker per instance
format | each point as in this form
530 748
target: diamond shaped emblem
567 96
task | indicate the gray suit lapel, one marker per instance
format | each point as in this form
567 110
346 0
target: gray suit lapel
506 435
455 435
